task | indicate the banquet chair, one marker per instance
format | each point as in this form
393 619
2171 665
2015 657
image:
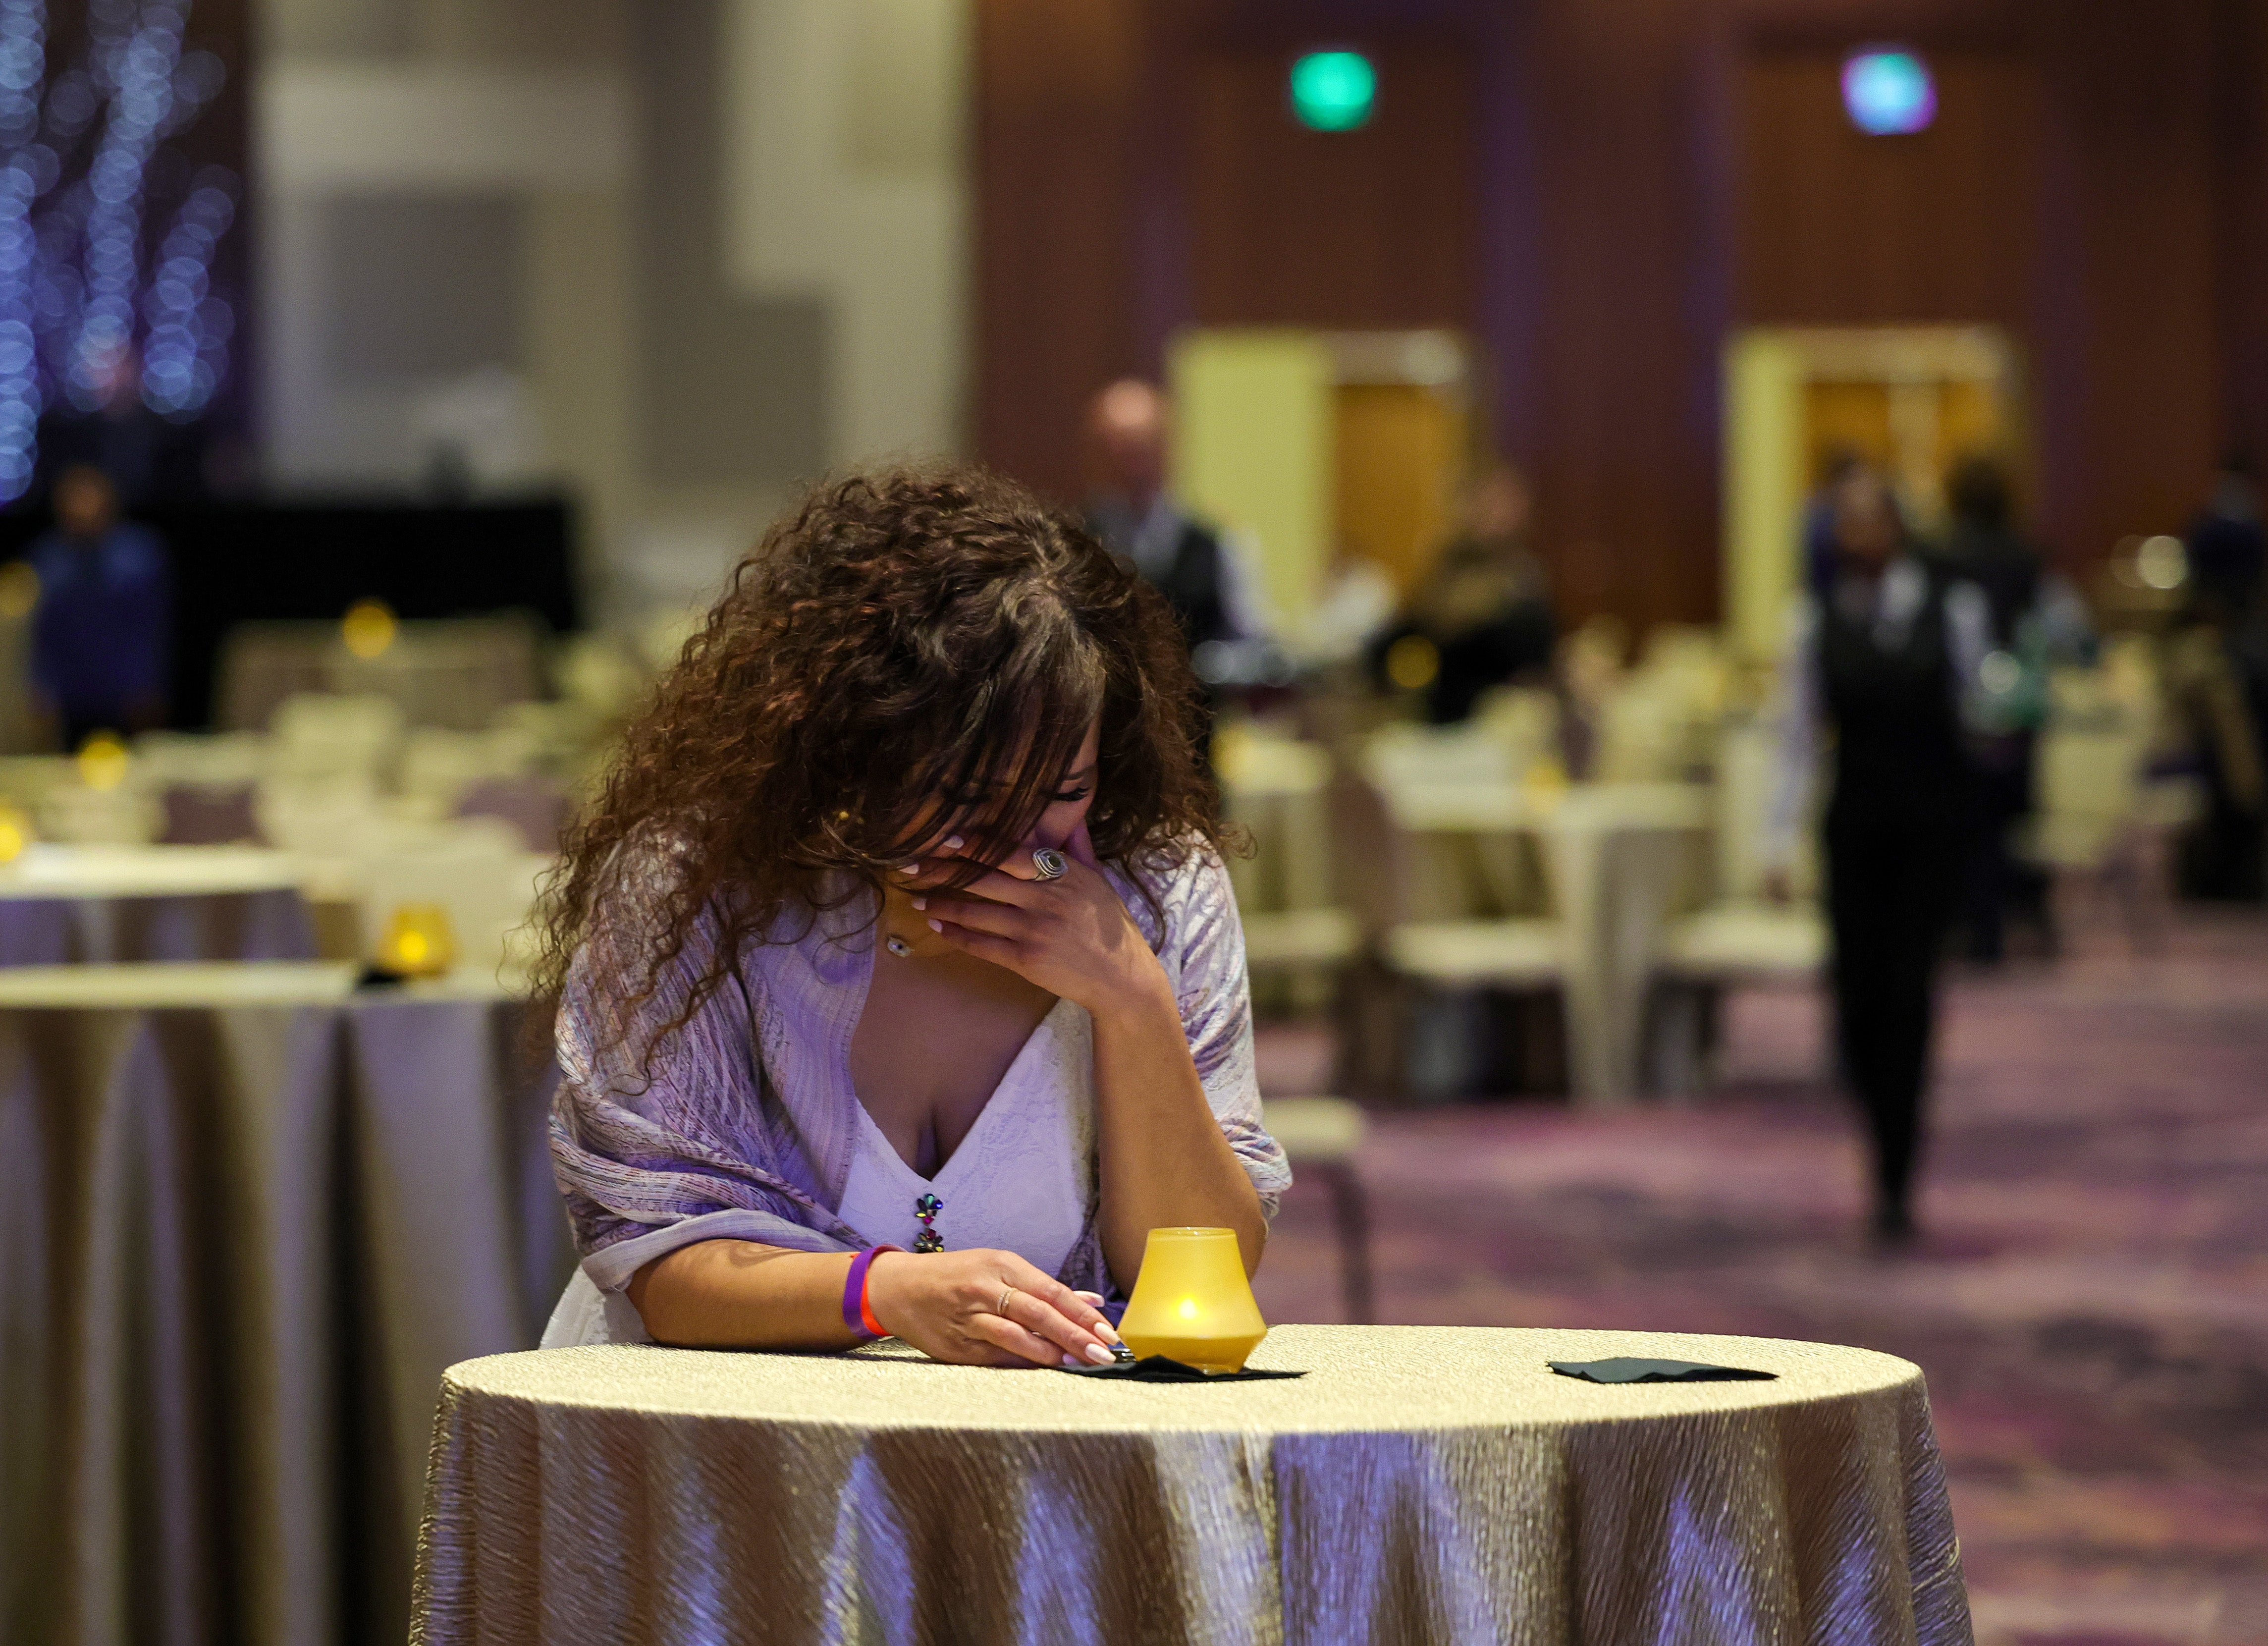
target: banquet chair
1323 1136
535 805
1277 790
2099 821
207 814
1735 937
453 672
326 815
1709 952
319 734
1428 830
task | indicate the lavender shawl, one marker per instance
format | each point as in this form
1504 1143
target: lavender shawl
745 1129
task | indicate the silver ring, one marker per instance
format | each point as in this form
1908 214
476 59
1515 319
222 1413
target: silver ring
1049 864
1001 1308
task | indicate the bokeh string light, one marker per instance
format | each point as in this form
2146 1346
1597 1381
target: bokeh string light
23 69
81 308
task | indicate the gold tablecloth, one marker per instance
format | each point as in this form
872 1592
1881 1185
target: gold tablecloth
102 904
247 1218
1420 1485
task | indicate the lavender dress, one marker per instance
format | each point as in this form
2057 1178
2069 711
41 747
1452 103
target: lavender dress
749 1125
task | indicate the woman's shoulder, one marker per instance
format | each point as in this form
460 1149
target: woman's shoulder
1182 890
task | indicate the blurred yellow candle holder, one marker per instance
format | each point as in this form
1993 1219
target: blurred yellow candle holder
1193 1301
15 831
419 941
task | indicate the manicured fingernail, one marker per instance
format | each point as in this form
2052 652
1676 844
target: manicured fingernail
921 903
1089 1297
1068 1362
1098 1355
953 842
937 925
1104 1330
911 868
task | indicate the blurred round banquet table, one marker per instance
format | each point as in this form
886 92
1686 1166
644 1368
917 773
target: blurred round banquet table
1420 1484
107 903
250 1214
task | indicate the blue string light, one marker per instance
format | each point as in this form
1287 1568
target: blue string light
75 298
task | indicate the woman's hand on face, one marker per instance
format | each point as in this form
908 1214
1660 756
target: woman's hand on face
1070 935
949 1305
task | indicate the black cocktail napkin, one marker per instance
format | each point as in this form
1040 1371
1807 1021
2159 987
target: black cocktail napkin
1158 1368
1625 1368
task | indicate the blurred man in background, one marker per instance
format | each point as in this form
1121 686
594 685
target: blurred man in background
2039 623
99 633
1485 607
2228 549
1884 659
1135 516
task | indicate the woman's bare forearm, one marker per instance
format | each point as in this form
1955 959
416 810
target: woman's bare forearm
736 1294
1165 1163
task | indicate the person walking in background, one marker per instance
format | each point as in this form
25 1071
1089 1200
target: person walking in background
1883 661
2223 856
1135 516
2216 660
1838 464
100 633
2227 549
1485 610
2038 621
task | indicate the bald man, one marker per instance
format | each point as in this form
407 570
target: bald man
1137 519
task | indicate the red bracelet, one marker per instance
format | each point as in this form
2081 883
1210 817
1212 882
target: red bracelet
855 1313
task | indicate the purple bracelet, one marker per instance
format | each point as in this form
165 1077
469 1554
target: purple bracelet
854 1293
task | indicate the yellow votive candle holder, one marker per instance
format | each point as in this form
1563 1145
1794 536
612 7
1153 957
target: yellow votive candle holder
1193 1301
419 941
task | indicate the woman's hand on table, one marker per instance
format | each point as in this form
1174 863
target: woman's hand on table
1070 935
949 1305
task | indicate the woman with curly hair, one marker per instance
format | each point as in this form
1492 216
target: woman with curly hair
901 987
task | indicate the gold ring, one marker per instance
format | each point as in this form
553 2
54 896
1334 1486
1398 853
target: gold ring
1001 1308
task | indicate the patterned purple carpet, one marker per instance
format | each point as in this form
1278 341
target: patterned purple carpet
2090 1301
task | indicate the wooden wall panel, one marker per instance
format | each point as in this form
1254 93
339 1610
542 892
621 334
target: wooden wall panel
1058 128
1648 174
1371 228
1840 228
1628 309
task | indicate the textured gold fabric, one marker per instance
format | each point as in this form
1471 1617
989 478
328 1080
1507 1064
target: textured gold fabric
247 1217
1421 1485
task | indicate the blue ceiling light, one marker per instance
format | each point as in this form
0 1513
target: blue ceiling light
1889 91
1332 91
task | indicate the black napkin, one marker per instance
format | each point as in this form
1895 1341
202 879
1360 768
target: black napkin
1624 1369
1158 1368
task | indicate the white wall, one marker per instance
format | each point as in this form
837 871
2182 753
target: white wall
836 179
847 176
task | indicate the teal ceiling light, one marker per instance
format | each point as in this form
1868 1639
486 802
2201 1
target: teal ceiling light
1332 91
1887 91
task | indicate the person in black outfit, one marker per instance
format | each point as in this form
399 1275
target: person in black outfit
1884 660
2037 620
1485 607
1135 517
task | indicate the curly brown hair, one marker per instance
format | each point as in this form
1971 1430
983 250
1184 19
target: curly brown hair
905 651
